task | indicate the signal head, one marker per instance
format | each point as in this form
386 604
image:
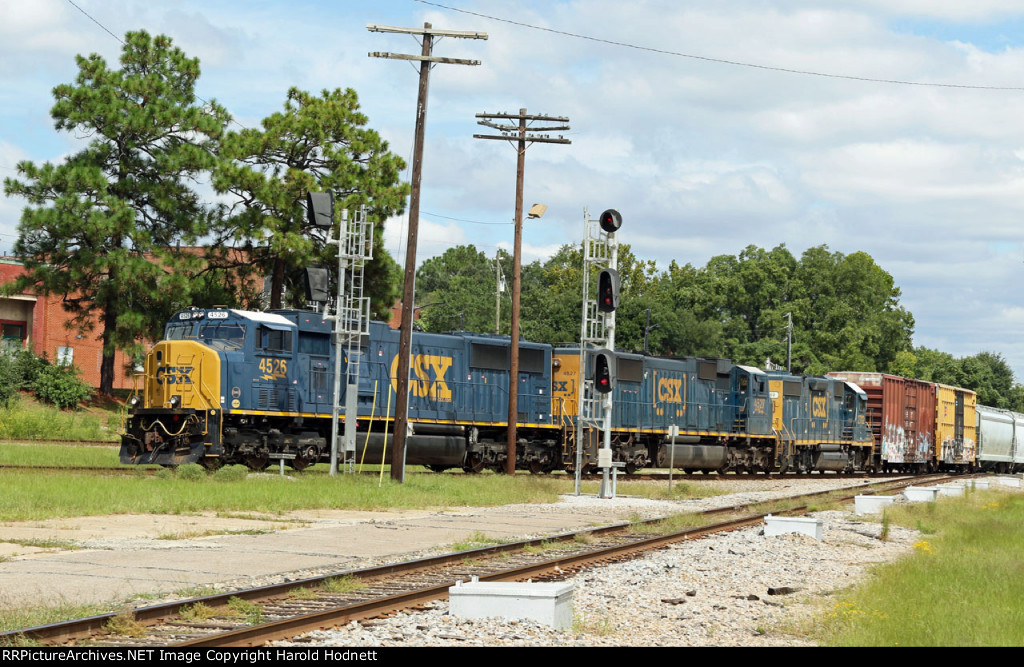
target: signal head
604 371
610 221
320 209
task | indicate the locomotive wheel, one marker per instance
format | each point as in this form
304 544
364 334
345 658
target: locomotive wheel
474 464
257 462
438 468
211 463
631 468
537 468
299 463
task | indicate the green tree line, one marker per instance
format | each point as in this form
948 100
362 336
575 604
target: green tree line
111 230
845 311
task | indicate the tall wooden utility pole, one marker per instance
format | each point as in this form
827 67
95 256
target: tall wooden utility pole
520 136
426 58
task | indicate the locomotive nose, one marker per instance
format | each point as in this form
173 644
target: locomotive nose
182 374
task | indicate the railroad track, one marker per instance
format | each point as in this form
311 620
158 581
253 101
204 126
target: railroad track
254 617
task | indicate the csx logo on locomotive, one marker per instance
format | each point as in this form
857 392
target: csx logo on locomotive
819 406
174 375
669 390
424 386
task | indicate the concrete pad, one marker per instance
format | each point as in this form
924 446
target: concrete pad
122 556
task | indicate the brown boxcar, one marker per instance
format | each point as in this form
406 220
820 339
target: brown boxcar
902 416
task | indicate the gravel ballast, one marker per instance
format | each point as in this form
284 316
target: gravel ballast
735 589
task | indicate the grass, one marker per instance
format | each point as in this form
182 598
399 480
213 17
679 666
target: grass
43 543
65 456
344 584
671 524
681 490
30 496
962 585
476 541
16 618
28 419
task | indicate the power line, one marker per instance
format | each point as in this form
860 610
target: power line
231 119
70 2
722 61
475 222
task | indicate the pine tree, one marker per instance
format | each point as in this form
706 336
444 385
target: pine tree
102 229
317 143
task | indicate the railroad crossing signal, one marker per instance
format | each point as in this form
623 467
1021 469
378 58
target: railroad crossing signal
604 371
608 290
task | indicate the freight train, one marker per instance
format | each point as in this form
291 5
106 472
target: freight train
233 386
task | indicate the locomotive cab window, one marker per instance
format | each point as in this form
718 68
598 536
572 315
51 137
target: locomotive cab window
223 336
178 331
274 339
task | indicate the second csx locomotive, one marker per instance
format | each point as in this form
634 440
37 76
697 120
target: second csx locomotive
232 386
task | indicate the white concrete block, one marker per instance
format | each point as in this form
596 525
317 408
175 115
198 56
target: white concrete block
871 504
550 604
781 525
951 490
981 484
921 494
1008 481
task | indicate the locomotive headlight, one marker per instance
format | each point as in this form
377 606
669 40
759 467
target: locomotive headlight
134 401
175 402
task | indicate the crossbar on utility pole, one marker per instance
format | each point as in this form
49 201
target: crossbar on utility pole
426 58
521 136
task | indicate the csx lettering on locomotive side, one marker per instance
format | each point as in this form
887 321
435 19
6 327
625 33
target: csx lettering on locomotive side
669 390
424 386
174 375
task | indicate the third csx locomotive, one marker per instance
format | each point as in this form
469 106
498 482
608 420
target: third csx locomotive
232 386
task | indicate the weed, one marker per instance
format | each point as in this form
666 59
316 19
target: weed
601 626
252 612
192 472
303 593
475 541
44 543
344 584
195 592
550 545
125 625
200 611
232 473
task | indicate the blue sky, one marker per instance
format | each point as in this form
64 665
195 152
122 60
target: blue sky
700 156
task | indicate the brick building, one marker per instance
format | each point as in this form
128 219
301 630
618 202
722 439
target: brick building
40 324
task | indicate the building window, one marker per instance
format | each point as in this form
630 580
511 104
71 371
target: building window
12 335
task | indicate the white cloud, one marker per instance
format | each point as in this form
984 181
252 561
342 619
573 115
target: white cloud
701 157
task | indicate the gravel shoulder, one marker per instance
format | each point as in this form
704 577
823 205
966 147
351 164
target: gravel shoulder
712 591
707 592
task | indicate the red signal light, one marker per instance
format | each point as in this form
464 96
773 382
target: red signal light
610 221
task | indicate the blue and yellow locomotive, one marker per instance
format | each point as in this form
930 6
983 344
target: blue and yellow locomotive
232 386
